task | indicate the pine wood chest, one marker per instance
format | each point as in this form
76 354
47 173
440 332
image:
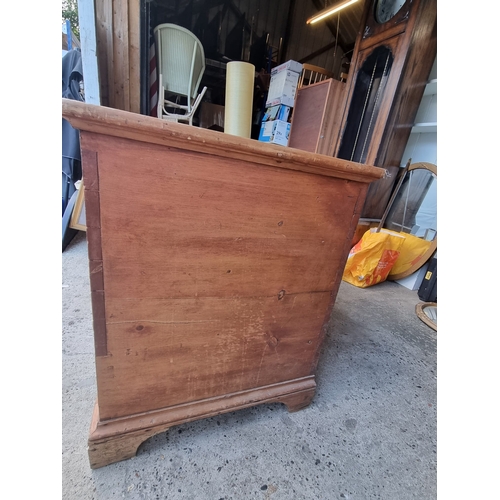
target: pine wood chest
214 266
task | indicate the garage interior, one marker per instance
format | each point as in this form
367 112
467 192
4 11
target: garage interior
370 431
265 34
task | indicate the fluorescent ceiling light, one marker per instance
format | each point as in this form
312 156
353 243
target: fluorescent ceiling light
330 11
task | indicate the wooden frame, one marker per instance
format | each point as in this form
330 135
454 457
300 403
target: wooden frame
78 215
118 53
433 247
420 310
316 116
314 74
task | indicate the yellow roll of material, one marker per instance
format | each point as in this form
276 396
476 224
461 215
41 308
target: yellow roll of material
239 98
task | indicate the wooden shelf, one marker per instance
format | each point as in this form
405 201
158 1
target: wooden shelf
427 127
431 87
424 128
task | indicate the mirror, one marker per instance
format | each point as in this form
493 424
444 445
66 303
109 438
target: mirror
414 211
427 312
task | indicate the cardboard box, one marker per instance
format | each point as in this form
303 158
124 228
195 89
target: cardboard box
266 129
275 132
294 66
272 128
282 88
280 133
283 84
278 112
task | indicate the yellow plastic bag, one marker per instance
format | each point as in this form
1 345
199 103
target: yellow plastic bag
372 258
412 250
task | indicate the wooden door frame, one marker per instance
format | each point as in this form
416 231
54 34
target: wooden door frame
117 24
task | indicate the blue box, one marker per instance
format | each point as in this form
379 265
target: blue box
275 132
278 112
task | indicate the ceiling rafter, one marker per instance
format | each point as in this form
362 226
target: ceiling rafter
330 25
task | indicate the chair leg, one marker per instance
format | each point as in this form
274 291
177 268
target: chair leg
172 117
198 100
196 104
161 96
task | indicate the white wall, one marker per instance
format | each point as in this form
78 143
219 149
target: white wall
422 147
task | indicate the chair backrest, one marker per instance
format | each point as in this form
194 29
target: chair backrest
180 59
313 74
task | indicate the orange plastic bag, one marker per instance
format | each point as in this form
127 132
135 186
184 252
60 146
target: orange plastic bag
411 252
372 258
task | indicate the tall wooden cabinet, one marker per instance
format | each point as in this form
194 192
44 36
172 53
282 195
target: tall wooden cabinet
392 60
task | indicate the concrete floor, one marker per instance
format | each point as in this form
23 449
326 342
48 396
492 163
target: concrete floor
370 431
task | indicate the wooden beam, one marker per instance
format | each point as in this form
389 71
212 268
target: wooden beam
121 62
144 20
320 51
118 53
333 29
117 123
238 14
104 46
134 43
288 30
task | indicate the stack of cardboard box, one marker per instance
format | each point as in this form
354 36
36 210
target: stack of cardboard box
275 127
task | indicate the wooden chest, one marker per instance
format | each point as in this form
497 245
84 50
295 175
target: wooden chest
214 266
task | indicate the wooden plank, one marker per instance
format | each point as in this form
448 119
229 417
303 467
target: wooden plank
281 231
121 63
118 49
118 439
288 32
234 345
94 243
134 41
419 62
102 50
89 159
116 123
99 322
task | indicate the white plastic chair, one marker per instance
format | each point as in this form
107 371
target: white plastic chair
181 64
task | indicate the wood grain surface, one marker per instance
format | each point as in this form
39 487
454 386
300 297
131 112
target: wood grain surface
121 124
316 116
214 262
217 277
